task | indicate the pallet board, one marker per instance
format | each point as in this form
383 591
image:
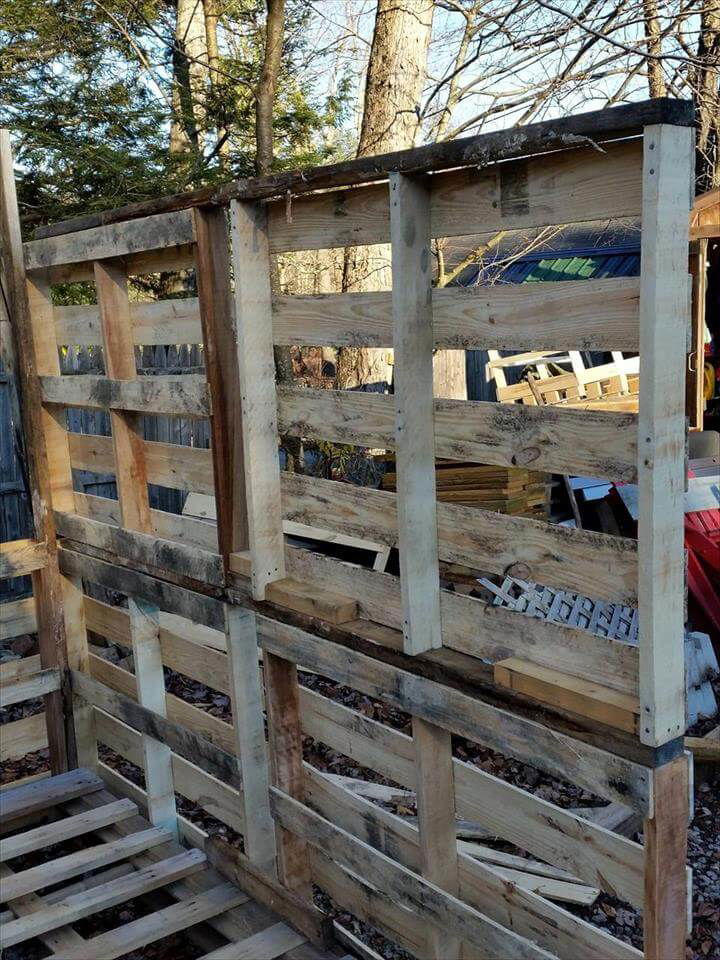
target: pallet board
78 806
259 581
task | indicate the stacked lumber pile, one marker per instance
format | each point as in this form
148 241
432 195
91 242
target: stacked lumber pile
511 490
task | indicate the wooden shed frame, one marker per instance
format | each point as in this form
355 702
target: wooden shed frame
204 600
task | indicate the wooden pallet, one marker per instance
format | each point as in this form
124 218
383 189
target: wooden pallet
116 856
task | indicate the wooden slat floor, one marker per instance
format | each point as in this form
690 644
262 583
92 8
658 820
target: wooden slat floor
110 855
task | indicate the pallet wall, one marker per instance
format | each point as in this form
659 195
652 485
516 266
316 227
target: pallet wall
236 607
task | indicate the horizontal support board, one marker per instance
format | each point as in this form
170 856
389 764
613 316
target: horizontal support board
115 240
39 684
576 185
582 315
184 742
403 886
607 775
476 628
169 259
143 548
588 443
182 395
23 736
20 557
594 564
158 322
192 782
166 596
480 886
34 797
168 464
167 526
17 617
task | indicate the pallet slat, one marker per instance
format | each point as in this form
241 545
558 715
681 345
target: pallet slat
21 557
28 688
183 395
557 440
585 314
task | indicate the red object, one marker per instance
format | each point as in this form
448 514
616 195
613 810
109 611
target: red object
702 540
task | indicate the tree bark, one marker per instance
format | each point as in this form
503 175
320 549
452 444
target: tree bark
213 57
395 78
190 78
267 86
656 77
707 97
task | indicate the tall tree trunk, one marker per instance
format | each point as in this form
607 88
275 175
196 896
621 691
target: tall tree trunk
267 86
213 56
656 77
395 78
190 78
707 98
264 153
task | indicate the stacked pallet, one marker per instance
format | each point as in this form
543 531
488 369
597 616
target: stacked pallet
511 490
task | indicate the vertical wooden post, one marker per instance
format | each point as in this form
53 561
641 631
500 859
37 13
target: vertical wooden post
666 901
258 399
247 714
414 431
79 659
212 259
46 582
282 703
159 784
436 823
119 355
664 324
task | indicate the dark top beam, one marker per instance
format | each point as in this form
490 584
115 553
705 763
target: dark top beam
475 151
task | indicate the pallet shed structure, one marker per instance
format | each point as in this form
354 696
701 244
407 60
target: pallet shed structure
236 607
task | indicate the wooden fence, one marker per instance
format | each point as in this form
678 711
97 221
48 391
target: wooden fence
208 600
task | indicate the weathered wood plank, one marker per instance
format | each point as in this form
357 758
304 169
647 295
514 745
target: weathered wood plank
610 776
117 240
183 395
227 480
483 149
34 797
567 187
593 564
168 464
160 924
182 741
31 350
589 443
282 705
144 621
66 829
17 617
482 887
246 700
666 890
153 323
587 315
217 798
28 688
166 526
436 822
102 897
144 548
417 528
19 737
664 325
476 628
404 886
168 597
258 405
21 557
81 861
119 358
